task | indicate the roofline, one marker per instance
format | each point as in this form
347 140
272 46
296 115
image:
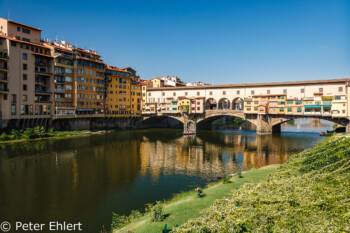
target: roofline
11 21
245 85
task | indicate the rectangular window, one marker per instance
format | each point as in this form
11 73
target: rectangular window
24 56
18 29
268 92
24 98
238 92
24 87
284 91
69 70
13 109
13 43
24 66
302 90
69 79
186 93
25 77
224 92
340 89
24 30
174 93
211 93
320 90
198 93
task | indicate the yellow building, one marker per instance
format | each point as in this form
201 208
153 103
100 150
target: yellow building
118 92
136 99
184 104
90 83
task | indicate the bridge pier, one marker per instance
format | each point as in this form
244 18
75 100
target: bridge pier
265 126
190 126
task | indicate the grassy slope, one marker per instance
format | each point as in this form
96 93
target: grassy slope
188 206
310 193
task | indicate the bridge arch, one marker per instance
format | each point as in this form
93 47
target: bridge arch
224 104
237 103
211 104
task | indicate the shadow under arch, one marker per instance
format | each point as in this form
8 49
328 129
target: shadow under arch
162 122
206 123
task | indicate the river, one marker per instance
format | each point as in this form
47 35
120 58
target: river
85 179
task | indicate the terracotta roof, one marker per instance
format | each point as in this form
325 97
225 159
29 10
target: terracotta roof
97 61
247 85
40 54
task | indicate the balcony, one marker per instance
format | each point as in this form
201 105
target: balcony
43 91
61 90
4 89
59 81
3 79
40 63
59 72
60 99
3 56
64 55
43 101
40 82
4 68
42 70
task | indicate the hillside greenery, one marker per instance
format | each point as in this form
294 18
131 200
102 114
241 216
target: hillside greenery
310 193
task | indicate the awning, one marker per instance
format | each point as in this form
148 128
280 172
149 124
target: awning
312 106
327 106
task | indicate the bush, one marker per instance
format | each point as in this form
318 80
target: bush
119 221
4 137
158 212
226 179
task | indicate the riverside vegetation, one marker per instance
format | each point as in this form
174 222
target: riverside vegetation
38 132
309 193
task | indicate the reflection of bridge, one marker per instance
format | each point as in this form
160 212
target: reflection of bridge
265 123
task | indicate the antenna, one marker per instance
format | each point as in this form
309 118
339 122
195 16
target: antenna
56 40
8 14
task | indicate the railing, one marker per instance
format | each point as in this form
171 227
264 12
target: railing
43 91
59 72
60 90
41 64
4 56
43 101
3 78
64 55
3 89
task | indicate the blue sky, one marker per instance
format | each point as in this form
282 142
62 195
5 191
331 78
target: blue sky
235 41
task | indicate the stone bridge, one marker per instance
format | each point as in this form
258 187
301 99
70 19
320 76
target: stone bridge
265 123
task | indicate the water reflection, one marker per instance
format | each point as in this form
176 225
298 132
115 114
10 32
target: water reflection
85 179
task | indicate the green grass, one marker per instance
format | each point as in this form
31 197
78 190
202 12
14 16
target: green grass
187 205
310 193
37 133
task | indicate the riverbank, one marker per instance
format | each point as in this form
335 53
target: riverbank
188 206
39 133
308 193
